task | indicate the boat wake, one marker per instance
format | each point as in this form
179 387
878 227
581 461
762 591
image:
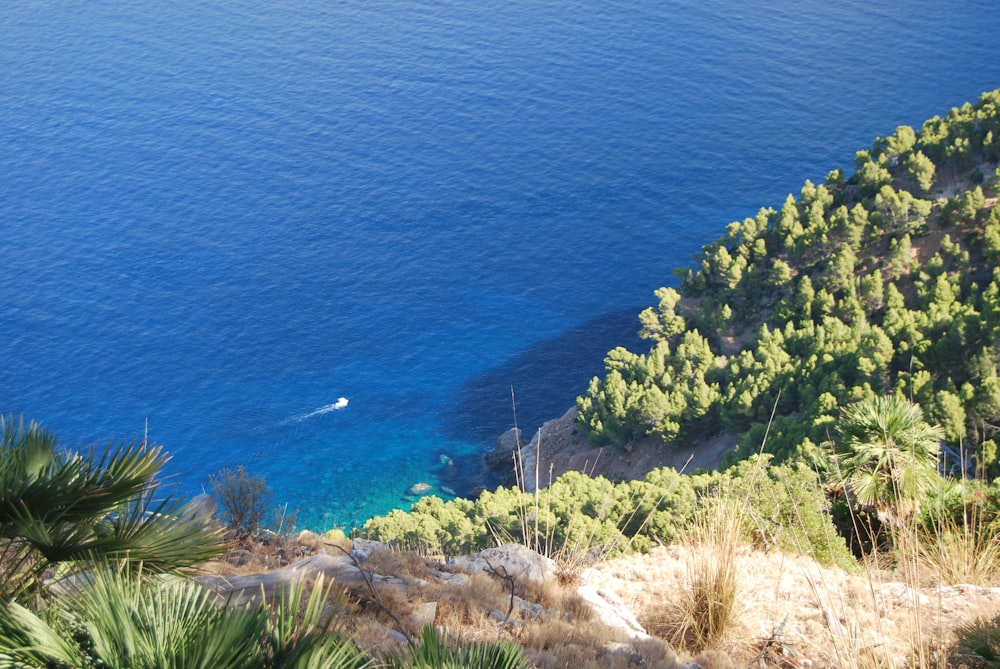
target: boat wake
339 405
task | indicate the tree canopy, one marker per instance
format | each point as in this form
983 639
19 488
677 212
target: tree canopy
883 283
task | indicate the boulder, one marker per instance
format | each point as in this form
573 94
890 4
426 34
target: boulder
520 562
202 508
339 569
422 615
501 457
419 489
362 549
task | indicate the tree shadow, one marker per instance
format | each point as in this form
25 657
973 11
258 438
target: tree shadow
546 379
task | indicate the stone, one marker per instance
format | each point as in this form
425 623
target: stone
617 652
452 579
520 562
362 549
501 457
612 611
904 594
528 610
423 614
202 508
340 569
419 489
238 558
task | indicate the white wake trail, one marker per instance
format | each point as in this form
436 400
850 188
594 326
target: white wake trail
339 405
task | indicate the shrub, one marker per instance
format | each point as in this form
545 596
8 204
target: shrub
245 498
706 612
980 642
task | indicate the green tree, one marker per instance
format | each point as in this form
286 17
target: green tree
663 322
901 255
870 175
901 141
888 456
922 169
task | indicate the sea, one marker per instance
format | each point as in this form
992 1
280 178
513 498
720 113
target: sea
346 244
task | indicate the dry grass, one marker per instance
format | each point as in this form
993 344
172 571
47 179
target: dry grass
553 643
959 552
795 612
713 598
402 564
469 606
704 612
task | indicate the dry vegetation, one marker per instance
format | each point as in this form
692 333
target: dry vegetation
711 599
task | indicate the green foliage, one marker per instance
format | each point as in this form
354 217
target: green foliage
116 544
980 640
578 515
787 508
838 296
586 517
871 175
435 651
59 508
662 392
888 456
900 142
124 618
922 169
662 323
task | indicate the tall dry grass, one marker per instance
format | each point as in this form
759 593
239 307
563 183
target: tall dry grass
705 613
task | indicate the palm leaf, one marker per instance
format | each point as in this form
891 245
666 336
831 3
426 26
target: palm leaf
433 652
60 507
140 622
26 640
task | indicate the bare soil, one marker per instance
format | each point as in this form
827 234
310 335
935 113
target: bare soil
560 446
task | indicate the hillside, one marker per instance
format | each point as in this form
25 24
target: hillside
884 282
875 296
880 283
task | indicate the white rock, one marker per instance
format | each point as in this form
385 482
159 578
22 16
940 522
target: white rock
520 562
612 611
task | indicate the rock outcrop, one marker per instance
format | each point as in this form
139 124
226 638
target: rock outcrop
340 569
560 446
358 571
510 560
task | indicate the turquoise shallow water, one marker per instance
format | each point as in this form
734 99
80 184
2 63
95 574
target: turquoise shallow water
217 218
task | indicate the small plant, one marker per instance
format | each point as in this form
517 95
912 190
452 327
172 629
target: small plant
245 498
436 652
124 617
61 510
707 611
980 642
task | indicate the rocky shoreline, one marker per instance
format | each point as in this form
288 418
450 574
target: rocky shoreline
560 446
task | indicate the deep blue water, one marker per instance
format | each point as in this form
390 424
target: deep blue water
217 217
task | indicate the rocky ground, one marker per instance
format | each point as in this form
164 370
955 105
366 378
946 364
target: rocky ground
559 446
792 612
789 611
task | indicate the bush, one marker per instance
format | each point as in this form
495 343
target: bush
245 498
584 518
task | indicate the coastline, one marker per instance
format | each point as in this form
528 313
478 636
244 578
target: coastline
559 446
